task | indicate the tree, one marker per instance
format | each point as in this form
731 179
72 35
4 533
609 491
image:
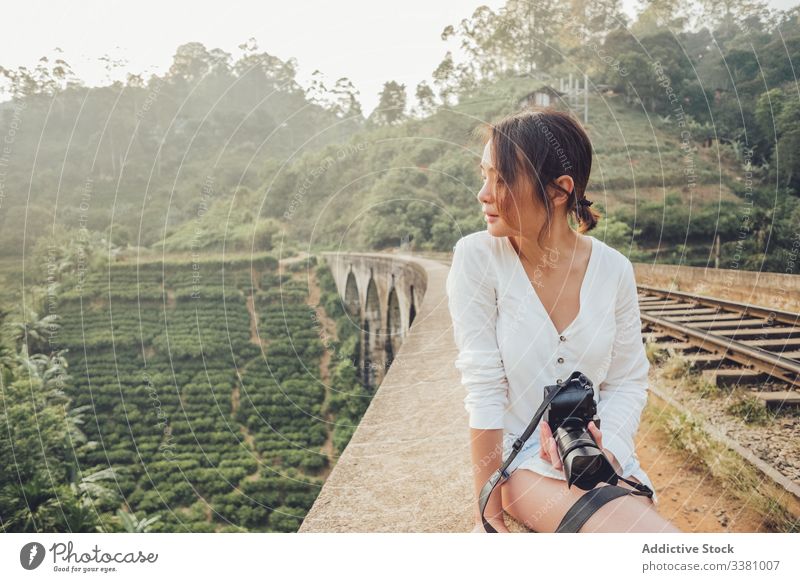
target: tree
585 29
392 104
718 12
317 92
528 38
655 15
426 99
480 40
778 118
345 99
444 78
42 488
341 100
131 524
190 63
49 77
34 332
7 354
270 70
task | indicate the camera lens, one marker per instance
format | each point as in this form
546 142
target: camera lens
568 415
586 466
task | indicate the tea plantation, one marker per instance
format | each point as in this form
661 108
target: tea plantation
201 387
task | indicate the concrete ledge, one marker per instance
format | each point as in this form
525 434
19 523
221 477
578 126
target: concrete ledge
775 290
405 468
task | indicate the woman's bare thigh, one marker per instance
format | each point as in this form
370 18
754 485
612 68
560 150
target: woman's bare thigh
541 502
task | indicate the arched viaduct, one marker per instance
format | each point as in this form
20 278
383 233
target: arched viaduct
382 294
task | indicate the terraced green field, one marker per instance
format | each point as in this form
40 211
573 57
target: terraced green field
208 425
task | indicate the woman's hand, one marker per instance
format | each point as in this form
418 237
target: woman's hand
598 437
497 523
547 446
549 451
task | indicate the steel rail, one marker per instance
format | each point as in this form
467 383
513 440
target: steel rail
786 317
772 364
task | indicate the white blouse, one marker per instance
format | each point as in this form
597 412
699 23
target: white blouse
509 348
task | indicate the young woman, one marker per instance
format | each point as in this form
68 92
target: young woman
532 300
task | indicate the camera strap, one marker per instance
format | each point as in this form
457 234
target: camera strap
587 504
489 486
581 510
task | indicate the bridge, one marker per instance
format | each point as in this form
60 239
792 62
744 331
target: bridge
406 467
381 294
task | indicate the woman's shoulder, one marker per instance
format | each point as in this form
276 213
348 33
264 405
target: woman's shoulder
612 259
477 244
476 254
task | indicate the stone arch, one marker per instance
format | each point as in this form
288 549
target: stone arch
412 310
352 302
394 327
372 333
352 306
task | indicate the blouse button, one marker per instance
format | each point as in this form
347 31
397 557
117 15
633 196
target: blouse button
560 360
562 338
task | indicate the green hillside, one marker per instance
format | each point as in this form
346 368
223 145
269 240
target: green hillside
147 155
198 384
420 180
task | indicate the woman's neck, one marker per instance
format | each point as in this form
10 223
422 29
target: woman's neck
557 251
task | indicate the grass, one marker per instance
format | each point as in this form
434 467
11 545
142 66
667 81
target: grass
687 433
736 476
675 366
751 410
703 387
655 353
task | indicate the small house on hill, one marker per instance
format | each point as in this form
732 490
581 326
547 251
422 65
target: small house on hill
544 96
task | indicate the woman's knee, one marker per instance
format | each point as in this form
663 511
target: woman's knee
628 514
537 501
541 502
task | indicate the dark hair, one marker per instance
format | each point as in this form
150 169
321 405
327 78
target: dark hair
536 146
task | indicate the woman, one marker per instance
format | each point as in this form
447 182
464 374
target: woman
532 300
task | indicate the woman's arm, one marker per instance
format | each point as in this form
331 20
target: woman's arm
487 451
473 310
623 394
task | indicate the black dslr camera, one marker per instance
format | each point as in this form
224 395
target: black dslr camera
568 407
569 415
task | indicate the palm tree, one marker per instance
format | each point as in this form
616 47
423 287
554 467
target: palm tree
49 371
55 496
87 492
6 363
6 353
131 524
38 505
35 332
30 506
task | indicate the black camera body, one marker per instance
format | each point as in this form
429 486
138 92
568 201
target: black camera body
569 415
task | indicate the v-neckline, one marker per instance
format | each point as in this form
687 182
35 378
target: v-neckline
537 299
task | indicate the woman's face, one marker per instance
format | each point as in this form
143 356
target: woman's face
523 211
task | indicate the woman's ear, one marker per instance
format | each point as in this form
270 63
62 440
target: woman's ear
562 196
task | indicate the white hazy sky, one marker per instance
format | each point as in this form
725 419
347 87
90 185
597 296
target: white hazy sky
369 41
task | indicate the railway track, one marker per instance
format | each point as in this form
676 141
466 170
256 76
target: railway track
734 343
